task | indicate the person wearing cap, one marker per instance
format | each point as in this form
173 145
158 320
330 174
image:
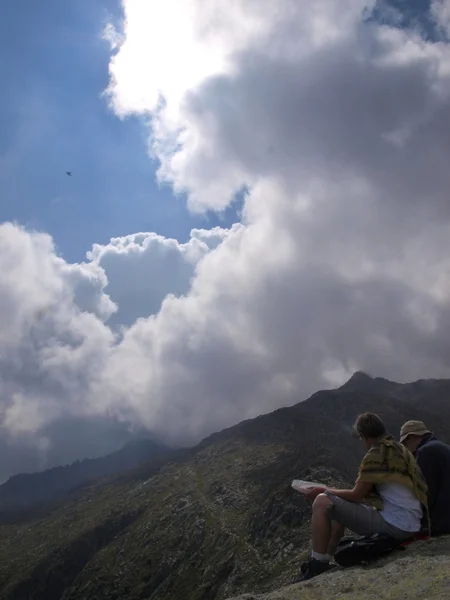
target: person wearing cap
389 497
433 458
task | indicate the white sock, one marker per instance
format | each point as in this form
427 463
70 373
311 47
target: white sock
321 557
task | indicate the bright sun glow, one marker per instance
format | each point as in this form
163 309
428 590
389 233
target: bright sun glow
165 46
177 44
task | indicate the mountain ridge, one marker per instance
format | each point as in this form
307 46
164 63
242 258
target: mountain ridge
27 490
214 521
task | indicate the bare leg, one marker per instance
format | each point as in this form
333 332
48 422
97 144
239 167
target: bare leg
337 531
321 525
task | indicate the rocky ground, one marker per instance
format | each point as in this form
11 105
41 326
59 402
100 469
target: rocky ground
422 572
220 519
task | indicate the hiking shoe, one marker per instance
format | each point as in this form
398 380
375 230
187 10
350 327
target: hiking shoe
313 568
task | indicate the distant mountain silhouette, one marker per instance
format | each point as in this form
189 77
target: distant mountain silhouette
26 490
219 519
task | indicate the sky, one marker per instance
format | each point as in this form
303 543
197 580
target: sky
54 118
258 207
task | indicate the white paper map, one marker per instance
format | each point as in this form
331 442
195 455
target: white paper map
304 486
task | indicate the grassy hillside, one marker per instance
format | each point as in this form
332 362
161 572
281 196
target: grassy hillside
218 520
26 491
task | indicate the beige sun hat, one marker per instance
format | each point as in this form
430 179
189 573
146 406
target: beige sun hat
413 428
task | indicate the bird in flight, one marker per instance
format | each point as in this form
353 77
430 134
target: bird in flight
69 173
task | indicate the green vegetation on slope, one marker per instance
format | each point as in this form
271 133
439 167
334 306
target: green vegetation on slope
217 521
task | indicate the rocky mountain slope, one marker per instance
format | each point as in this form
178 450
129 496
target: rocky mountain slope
216 521
25 491
422 572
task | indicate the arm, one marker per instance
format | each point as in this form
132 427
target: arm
428 460
357 494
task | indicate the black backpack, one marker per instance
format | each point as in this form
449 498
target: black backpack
353 551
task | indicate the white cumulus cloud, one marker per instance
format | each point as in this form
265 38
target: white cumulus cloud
53 341
143 268
336 125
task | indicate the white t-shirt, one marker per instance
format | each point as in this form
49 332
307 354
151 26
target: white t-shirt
401 508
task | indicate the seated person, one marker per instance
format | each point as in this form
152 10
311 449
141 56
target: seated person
433 458
388 497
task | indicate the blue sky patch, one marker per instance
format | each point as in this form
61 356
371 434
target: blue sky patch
54 119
